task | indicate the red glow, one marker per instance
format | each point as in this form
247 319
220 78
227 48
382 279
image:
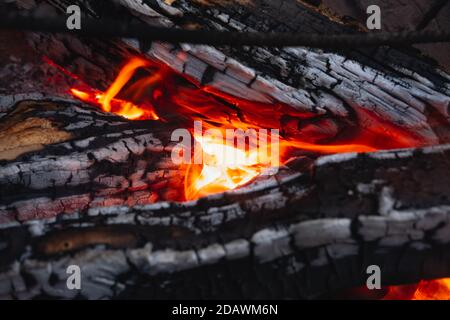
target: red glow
145 89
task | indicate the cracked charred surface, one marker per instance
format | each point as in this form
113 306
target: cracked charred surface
106 160
292 236
399 86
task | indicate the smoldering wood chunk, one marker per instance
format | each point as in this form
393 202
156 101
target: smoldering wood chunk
291 224
421 15
256 239
313 130
59 157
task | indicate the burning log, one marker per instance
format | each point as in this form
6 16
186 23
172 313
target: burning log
74 165
101 192
142 31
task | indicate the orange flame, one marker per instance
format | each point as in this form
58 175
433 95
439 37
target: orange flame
164 94
433 290
108 101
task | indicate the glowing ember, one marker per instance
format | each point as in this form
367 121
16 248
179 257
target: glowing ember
330 148
147 90
424 290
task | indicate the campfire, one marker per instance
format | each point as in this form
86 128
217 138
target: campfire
232 172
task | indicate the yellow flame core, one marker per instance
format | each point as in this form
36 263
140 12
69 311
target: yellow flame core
224 167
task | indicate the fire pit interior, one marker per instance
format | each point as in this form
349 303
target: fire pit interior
177 170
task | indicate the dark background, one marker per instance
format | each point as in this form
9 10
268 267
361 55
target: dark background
400 15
